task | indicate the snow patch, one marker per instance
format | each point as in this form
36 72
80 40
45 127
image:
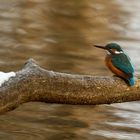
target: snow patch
6 76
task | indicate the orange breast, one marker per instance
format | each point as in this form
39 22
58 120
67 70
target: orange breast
114 69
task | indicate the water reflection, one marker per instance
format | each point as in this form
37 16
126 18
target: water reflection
59 35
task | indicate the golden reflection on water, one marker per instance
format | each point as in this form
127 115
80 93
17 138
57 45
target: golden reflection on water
59 35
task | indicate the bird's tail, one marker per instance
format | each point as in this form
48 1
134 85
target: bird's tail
131 81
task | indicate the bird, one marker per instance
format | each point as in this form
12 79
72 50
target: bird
119 62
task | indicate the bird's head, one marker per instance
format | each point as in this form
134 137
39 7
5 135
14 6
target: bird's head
113 48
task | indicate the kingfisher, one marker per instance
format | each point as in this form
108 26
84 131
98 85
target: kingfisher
119 62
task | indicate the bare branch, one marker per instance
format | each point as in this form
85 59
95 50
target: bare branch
34 83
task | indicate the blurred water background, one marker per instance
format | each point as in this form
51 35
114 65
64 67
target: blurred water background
58 34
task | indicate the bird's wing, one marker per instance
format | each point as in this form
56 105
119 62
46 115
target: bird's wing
123 63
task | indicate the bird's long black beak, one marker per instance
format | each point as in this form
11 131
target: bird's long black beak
102 47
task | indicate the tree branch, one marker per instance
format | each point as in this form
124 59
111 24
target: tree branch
34 83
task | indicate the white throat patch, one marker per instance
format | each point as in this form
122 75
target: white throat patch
108 52
118 52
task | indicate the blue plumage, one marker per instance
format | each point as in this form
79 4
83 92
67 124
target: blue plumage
123 63
131 81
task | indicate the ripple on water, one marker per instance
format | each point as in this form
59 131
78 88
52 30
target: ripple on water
58 34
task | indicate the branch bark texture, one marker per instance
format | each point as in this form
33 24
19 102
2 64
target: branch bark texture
34 83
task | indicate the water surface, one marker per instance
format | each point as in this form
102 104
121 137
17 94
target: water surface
59 36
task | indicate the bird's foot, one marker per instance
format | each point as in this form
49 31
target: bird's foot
115 76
